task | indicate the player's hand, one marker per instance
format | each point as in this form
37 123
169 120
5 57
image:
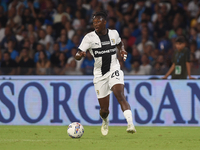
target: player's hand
164 77
123 54
191 77
82 54
79 55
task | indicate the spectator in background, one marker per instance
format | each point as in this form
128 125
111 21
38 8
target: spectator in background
8 65
78 62
112 23
145 35
42 35
60 25
136 69
193 48
155 14
194 35
161 28
27 18
193 8
3 17
175 25
180 68
13 53
26 64
60 12
33 43
165 11
76 40
31 31
135 56
160 67
69 29
65 45
43 65
27 45
175 8
49 39
71 68
14 20
77 21
38 25
49 12
55 56
141 45
2 32
16 4
8 36
87 65
156 70
60 68
127 35
79 6
39 48
145 66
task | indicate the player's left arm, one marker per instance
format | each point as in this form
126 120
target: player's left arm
189 70
122 50
188 65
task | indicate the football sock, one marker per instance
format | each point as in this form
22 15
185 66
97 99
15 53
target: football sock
128 116
105 119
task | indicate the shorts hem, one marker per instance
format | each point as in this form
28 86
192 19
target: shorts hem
115 84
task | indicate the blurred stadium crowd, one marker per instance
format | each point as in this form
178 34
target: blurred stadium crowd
41 36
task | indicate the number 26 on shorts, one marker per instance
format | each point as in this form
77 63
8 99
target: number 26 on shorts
116 73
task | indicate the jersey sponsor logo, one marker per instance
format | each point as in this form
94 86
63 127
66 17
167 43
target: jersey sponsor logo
98 53
105 43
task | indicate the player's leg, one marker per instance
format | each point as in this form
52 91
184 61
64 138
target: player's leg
104 111
103 91
104 104
118 90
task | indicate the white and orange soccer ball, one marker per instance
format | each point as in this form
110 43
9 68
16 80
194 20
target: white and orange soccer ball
75 130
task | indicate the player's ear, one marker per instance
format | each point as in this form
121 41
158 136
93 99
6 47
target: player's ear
105 22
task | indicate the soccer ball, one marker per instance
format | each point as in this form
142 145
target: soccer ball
75 130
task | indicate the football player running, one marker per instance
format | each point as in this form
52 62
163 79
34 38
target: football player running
103 43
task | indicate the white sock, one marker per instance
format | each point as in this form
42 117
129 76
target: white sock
106 119
128 116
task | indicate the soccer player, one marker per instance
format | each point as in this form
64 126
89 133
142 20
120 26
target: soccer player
102 43
180 68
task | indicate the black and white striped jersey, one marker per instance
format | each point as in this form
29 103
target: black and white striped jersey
103 49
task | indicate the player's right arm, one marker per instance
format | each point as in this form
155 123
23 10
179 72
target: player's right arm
84 46
79 55
170 71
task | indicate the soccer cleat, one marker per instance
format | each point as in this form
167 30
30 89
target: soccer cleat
131 129
104 127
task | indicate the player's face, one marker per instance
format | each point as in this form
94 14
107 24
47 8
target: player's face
99 24
179 46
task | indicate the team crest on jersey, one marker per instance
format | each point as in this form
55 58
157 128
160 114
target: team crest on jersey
113 41
98 92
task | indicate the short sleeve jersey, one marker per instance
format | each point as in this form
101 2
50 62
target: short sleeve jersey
179 59
103 49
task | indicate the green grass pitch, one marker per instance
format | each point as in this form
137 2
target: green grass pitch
56 138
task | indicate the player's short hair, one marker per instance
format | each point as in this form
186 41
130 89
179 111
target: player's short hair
180 39
102 14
